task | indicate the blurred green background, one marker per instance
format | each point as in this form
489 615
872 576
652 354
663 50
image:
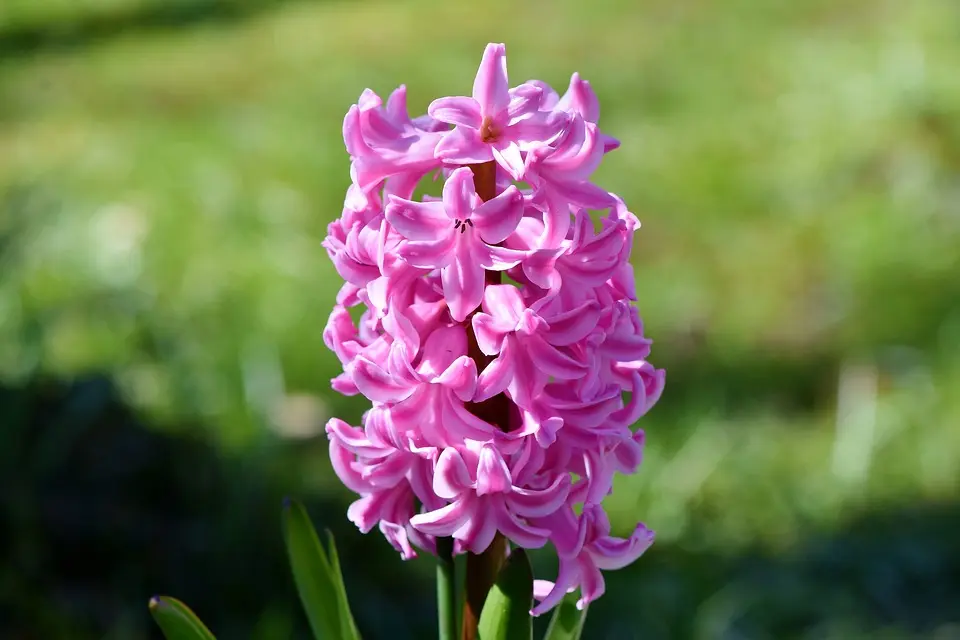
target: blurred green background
167 172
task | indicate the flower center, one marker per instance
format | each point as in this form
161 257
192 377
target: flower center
462 224
488 130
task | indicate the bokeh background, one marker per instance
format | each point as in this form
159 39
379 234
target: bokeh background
167 172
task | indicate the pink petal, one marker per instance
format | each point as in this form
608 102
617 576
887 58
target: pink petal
397 104
567 579
494 258
443 521
417 220
402 185
584 194
396 535
352 439
365 512
421 479
528 378
629 453
546 434
459 194
478 532
450 478
567 533
343 465
609 143
414 411
581 99
574 325
340 334
519 532
347 296
596 519
458 111
493 476
491 87
463 425
637 406
527 235
497 218
379 426
496 377
405 336
507 155
489 332
552 361
504 303
627 343
538 129
599 475
463 146
531 424
421 540
343 384
592 585
541 588
586 414
441 348
534 503
388 471
539 267
463 282
376 384
525 100
460 377
353 133
354 272
556 219
616 553
429 255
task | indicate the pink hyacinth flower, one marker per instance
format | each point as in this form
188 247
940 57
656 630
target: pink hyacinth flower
529 349
580 99
485 500
427 402
500 405
459 236
496 123
595 549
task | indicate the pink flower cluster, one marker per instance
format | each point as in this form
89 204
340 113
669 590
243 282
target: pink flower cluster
498 404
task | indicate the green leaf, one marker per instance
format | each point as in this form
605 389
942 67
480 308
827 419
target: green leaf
177 621
343 604
318 578
567 621
506 612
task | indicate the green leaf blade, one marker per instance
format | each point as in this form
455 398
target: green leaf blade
506 612
567 621
177 621
320 588
348 627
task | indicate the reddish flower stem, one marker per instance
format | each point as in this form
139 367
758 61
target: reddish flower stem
482 568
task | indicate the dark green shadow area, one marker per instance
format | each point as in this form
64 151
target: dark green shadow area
85 27
98 513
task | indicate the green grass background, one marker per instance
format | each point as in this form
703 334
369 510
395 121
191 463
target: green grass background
167 172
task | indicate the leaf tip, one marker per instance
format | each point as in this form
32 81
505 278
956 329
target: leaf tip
155 602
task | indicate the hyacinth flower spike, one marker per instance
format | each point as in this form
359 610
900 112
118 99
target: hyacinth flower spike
493 331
